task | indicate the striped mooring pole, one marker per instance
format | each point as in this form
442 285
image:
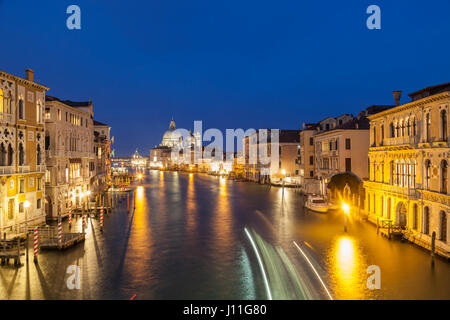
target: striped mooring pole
35 243
101 219
59 231
70 215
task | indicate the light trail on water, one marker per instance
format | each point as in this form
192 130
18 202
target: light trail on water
314 269
266 282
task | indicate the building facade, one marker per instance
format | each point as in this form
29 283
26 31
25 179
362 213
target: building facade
102 152
70 158
22 161
409 174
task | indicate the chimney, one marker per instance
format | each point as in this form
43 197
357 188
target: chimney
29 75
397 95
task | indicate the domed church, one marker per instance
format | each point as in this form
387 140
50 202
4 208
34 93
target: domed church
171 138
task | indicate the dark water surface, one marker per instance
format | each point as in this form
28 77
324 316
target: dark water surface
195 236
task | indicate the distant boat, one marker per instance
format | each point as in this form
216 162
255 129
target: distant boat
317 203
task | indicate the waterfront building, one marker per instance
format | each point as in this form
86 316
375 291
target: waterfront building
305 160
102 151
138 161
22 161
160 157
409 154
284 168
70 157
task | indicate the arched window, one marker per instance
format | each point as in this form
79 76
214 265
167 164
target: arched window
428 126
21 155
402 128
443 226
426 220
444 125
414 132
8 107
382 134
391 167
374 136
427 174
21 111
414 218
2 155
409 127
413 174
10 155
444 176
397 173
397 130
38 155
391 130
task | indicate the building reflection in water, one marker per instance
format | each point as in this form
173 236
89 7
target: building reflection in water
139 251
191 206
223 215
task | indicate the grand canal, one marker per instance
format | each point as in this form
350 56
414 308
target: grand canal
195 236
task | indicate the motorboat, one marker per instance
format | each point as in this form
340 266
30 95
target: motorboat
317 203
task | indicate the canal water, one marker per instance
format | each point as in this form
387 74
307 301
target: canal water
193 236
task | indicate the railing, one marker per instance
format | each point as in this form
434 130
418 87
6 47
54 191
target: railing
7 170
23 169
411 140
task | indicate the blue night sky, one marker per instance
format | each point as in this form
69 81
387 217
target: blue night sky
232 64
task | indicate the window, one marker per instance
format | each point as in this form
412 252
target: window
348 164
11 209
311 160
21 109
374 136
347 144
414 216
426 220
311 174
382 134
38 203
21 155
21 207
59 114
444 176
39 184
2 155
443 226
428 126
427 174
21 185
336 144
311 141
38 155
444 125
391 130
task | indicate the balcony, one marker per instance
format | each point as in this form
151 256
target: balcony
411 193
6 170
23 169
398 141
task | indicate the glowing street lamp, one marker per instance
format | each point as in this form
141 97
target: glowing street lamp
346 209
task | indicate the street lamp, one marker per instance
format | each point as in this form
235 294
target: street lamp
346 209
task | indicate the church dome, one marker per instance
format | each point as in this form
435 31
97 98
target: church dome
171 137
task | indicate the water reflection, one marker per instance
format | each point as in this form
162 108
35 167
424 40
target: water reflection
347 269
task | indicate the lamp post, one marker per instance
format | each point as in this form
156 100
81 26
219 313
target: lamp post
346 209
